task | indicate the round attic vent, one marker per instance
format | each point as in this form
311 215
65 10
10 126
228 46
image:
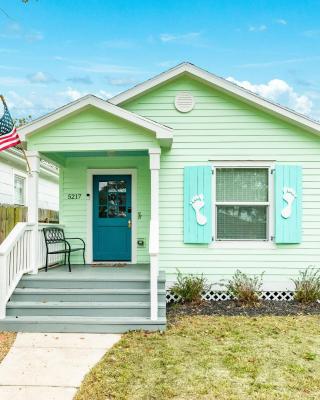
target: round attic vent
184 102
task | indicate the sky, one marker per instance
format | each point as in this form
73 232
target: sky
55 51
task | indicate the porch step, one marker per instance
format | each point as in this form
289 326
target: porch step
87 309
84 295
72 281
79 324
88 300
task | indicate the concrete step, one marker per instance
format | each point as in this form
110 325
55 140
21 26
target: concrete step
71 282
115 283
84 295
86 309
79 324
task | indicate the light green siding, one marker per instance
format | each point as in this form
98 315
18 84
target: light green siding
91 130
222 128
73 179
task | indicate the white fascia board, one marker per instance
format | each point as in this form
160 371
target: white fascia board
161 131
224 86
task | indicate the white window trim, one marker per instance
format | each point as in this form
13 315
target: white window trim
90 174
24 176
245 244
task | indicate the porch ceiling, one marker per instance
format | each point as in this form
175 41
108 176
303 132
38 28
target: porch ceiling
61 157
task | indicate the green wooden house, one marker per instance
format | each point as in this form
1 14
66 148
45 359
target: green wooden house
185 171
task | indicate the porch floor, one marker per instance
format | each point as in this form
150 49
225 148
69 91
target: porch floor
93 272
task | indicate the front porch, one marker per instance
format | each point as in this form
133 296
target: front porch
109 162
96 299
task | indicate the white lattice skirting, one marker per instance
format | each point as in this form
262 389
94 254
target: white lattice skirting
212 295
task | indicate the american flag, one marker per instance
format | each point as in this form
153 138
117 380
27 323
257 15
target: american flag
8 133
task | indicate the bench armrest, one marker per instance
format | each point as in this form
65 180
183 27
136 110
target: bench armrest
75 238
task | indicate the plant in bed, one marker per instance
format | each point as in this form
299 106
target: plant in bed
244 288
307 285
190 287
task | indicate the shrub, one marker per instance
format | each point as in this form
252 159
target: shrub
245 288
189 287
307 285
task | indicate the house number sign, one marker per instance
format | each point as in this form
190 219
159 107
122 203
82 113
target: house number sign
74 196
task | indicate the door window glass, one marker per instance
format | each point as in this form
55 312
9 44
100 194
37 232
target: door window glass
112 199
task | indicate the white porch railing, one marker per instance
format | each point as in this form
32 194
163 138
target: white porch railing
16 258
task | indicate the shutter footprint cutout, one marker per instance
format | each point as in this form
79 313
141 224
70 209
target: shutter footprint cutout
197 203
289 196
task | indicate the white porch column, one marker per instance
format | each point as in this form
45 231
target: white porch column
154 155
33 204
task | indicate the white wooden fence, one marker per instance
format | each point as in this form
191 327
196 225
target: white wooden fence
23 251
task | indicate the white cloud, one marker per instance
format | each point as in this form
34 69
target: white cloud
281 21
12 81
10 68
71 94
40 77
190 38
34 36
84 80
279 91
16 31
312 33
279 62
103 94
258 28
15 100
166 64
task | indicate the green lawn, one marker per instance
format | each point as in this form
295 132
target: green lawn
221 358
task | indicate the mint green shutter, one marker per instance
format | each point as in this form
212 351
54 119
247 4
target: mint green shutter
197 187
288 183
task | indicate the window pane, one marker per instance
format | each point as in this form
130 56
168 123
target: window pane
242 184
112 199
242 222
19 188
103 187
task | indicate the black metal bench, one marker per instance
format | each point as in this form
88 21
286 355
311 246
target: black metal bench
54 235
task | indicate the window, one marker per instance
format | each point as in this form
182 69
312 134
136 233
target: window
242 203
113 199
19 190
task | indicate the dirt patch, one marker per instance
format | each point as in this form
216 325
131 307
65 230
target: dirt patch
6 341
232 308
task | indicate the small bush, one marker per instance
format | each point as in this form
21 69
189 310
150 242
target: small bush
307 285
245 288
190 287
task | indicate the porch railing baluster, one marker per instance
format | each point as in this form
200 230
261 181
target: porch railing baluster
16 258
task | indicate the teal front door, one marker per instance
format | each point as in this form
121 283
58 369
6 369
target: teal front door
112 218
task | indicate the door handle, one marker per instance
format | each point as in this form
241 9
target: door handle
129 224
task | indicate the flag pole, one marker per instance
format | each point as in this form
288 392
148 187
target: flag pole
27 161
21 146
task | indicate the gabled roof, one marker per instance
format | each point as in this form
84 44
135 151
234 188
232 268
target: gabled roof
222 85
163 133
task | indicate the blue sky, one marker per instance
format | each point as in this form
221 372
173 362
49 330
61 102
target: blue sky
53 51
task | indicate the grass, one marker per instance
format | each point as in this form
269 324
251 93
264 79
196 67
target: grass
6 341
225 358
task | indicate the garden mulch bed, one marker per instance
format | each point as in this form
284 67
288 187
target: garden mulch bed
233 308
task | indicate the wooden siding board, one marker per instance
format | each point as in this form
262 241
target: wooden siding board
92 130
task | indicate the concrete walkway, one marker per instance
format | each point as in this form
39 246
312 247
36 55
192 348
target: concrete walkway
50 366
